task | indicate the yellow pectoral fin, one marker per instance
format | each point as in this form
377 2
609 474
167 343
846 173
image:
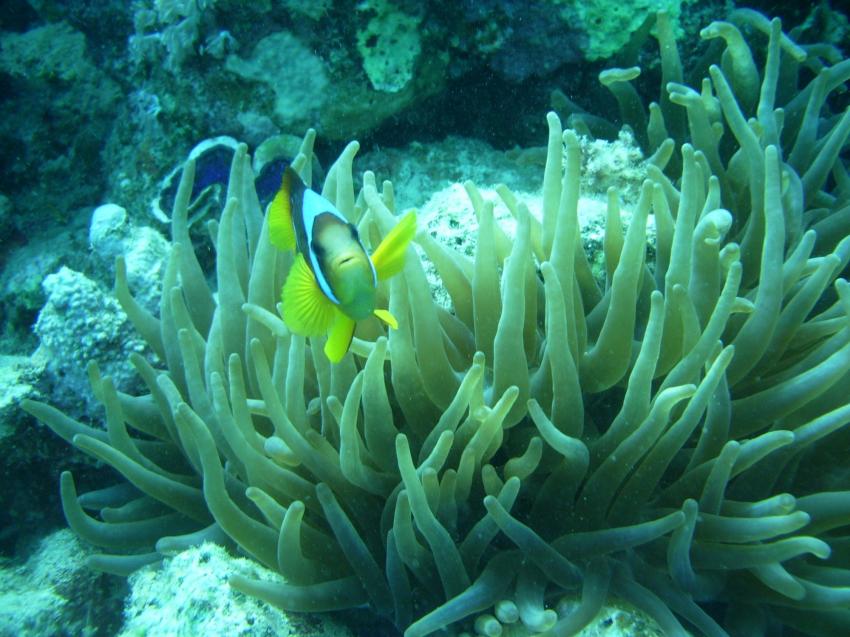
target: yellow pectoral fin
306 310
387 318
388 258
281 230
340 337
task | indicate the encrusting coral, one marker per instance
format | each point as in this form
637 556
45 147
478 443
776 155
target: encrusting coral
659 443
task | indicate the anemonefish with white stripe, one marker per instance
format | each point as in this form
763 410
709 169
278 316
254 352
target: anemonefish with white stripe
332 283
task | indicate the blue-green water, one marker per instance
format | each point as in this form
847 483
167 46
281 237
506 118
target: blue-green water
608 393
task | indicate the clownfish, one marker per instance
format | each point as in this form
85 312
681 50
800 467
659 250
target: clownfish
332 283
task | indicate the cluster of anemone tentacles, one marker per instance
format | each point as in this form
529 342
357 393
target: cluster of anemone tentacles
657 441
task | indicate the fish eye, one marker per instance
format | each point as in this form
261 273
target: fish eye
354 234
317 248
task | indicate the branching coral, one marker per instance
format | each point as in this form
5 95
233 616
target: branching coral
652 441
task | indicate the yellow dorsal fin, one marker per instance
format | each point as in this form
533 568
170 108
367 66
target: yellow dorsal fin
281 230
387 318
306 310
339 340
388 258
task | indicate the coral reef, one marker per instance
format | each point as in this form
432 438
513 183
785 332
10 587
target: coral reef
298 100
120 91
80 323
21 278
189 595
16 383
658 438
144 250
613 164
59 107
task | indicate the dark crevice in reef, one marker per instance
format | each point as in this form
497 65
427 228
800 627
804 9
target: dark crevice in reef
363 622
479 105
17 15
483 105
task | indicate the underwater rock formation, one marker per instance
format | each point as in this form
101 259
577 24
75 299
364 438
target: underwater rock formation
656 439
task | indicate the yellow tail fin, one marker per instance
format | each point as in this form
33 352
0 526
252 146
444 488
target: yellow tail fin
388 258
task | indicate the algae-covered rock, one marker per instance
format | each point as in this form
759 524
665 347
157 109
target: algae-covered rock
54 51
389 45
610 24
144 250
190 595
57 109
80 323
292 72
53 592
